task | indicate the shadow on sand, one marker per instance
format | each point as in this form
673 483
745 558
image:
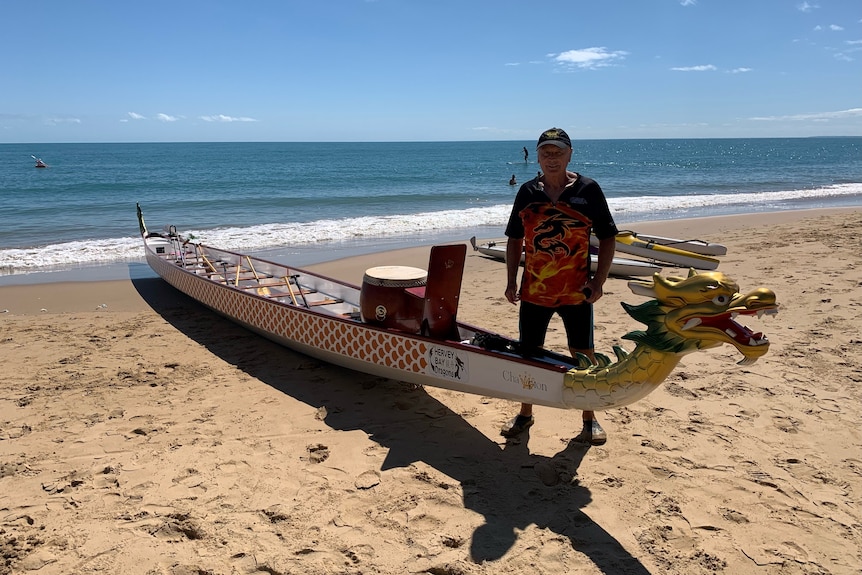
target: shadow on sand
507 485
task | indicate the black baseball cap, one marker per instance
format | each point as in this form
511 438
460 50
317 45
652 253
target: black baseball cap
554 136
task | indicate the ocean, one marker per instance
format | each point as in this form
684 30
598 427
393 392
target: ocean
305 203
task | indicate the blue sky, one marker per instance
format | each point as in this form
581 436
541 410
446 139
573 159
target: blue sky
427 70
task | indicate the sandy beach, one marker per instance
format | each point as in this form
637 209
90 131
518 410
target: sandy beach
141 433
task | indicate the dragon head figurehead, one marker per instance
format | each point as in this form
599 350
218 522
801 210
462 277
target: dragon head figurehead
699 312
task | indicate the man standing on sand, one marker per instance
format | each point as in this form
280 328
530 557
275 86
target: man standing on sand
552 218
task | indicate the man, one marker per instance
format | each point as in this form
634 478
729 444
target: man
551 222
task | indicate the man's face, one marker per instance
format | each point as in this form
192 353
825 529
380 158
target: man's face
554 159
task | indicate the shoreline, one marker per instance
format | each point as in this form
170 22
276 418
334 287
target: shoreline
141 433
683 228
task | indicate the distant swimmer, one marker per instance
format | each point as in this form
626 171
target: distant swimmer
526 154
512 181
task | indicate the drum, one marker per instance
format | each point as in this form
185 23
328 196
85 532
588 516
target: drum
384 299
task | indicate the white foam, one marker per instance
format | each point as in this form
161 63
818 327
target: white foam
262 237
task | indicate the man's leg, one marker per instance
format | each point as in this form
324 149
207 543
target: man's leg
533 322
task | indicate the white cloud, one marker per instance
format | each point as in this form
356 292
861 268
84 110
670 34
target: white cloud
688 2
740 70
223 118
836 27
136 116
853 47
806 7
166 118
819 116
55 121
588 58
701 68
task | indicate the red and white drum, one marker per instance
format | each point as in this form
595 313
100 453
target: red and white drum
384 299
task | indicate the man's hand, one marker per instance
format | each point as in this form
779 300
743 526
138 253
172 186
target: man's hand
512 293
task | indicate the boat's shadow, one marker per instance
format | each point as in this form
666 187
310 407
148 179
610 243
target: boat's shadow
507 485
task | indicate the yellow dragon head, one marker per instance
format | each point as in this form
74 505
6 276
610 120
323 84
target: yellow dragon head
698 312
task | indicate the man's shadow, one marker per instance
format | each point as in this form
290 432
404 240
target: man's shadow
508 486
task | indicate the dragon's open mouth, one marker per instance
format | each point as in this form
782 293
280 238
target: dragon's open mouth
736 331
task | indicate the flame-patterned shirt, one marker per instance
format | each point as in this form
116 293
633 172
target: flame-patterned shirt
557 239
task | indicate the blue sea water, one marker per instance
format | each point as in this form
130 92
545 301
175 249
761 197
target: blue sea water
317 201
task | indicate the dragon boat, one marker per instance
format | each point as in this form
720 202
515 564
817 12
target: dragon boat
402 324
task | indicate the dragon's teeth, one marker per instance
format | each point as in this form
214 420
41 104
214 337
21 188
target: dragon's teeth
730 332
693 322
734 314
760 313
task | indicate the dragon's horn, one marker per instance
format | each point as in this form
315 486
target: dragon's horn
644 288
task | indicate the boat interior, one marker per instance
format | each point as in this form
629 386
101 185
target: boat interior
426 305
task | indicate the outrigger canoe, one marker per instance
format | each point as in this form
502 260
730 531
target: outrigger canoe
629 243
401 324
620 267
701 247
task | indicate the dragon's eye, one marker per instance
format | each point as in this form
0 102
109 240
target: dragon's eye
721 300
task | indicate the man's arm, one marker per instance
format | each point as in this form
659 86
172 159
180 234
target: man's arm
514 249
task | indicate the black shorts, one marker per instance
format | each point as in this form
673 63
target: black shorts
577 320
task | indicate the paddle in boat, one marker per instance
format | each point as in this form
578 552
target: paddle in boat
401 324
620 267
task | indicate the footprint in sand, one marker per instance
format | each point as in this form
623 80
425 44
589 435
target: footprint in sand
786 424
317 453
367 480
547 473
733 515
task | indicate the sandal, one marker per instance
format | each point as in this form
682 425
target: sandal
592 433
517 426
